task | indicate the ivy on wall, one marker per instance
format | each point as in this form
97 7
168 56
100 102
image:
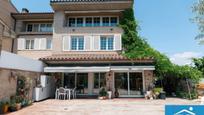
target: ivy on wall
136 47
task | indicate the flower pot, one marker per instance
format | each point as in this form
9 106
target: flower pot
1 109
5 108
12 109
102 97
109 94
18 106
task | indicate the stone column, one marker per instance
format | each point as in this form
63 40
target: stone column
148 77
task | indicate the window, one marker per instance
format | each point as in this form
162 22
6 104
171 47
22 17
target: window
88 22
97 21
49 28
99 80
71 22
45 27
105 21
49 44
79 22
107 42
29 28
77 43
103 43
114 21
42 27
39 27
29 44
35 27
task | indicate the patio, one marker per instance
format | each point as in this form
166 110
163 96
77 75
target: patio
122 106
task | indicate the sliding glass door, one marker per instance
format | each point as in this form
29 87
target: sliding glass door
129 84
78 80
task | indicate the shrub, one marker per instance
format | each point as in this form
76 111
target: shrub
103 92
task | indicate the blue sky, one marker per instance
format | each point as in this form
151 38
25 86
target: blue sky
164 23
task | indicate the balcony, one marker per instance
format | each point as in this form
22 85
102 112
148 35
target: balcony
88 5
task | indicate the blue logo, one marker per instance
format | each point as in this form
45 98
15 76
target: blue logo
184 110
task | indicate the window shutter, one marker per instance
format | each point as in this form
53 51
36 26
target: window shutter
96 42
43 43
117 42
21 43
37 44
87 42
66 43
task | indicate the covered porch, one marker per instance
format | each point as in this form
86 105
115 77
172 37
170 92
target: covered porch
122 76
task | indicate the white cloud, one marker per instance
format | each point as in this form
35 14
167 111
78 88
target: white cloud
184 58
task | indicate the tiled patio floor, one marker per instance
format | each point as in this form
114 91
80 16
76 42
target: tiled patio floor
100 107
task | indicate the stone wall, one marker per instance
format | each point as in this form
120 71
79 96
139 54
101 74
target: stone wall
8 82
149 77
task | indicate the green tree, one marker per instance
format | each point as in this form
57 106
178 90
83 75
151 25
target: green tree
199 64
198 9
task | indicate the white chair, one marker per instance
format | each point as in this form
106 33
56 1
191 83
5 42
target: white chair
74 93
62 92
56 94
202 101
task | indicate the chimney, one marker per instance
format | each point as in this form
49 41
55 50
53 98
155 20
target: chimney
25 10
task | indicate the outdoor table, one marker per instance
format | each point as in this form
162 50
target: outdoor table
67 90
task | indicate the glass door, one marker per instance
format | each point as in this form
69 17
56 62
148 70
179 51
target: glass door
129 84
99 82
82 83
136 83
69 80
121 83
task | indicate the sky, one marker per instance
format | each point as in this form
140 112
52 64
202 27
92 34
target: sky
165 24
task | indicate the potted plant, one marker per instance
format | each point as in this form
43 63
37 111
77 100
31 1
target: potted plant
109 93
5 107
12 106
102 94
18 102
1 107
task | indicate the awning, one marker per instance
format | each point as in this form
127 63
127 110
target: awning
76 69
97 69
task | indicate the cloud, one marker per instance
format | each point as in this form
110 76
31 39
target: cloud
184 58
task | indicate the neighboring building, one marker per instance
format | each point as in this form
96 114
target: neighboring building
81 45
11 65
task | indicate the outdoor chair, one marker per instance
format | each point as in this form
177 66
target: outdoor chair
74 93
62 93
202 101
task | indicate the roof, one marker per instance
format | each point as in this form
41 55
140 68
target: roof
93 57
54 1
33 15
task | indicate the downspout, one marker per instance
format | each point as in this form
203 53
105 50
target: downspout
12 47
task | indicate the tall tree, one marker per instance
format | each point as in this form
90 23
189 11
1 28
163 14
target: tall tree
198 9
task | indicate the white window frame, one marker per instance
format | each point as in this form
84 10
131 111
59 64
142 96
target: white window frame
50 44
107 42
29 44
39 25
84 21
77 45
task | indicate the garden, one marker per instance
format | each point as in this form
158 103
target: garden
20 99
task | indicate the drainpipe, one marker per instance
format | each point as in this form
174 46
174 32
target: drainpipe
12 47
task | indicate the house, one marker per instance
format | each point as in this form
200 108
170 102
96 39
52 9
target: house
81 45
13 66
